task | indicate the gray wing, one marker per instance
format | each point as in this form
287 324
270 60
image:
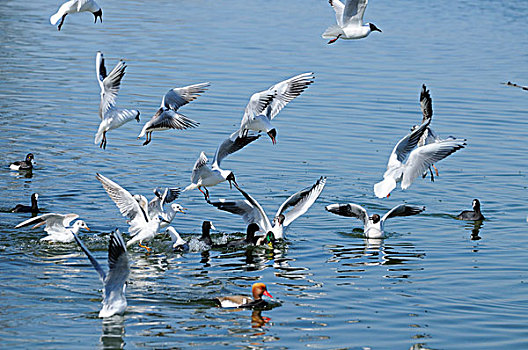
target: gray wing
354 11
110 84
162 197
286 91
339 9
169 119
250 214
402 210
232 144
423 157
124 201
406 145
426 104
53 221
118 265
256 106
177 97
92 259
200 169
300 202
350 210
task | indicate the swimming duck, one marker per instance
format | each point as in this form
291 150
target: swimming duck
258 289
33 208
474 214
23 165
206 232
373 225
251 239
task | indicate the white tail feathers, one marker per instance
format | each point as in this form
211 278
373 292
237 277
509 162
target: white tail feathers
332 32
383 188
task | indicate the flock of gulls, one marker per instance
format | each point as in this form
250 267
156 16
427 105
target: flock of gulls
414 155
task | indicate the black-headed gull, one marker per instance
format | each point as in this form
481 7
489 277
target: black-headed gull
33 208
204 176
75 6
265 105
167 116
142 227
162 197
472 215
373 225
349 21
57 227
417 160
111 117
114 283
25 164
252 212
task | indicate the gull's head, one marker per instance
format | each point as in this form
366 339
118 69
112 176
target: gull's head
81 224
373 28
375 218
231 179
178 208
279 219
98 13
273 135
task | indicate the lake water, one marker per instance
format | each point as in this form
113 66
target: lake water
433 283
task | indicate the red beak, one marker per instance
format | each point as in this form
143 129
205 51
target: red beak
267 294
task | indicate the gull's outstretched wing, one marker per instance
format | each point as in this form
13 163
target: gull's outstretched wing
177 97
286 91
300 202
402 210
230 145
92 259
109 84
118 265
354 11
350 210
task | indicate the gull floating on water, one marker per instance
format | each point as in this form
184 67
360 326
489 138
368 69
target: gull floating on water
142 227
373 225
252 212
417 160
204 176
76 6
349 21
265 105
114 283
111 117
57 226
167 116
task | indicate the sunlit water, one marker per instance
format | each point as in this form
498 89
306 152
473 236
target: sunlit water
434 282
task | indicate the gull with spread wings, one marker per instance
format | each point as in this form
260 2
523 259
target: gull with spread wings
372 225
111 117
57 227
167 116
252 212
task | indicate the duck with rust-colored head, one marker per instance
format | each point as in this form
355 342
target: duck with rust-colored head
258 289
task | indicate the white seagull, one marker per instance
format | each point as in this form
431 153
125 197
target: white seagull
114 283
75 6
265 105
167 116
162 197
111 117
204 176
57 227
252 212
142 227
349 21
417 161
373 225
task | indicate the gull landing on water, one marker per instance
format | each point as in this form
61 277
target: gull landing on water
349 21
114 283
57 227
252 212
373 225
265 105
111 117
76 6
167 116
